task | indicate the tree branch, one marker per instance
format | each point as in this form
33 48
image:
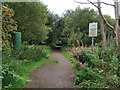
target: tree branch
104 18
107 23
107 4
94 3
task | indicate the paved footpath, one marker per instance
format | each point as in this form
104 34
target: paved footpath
52 75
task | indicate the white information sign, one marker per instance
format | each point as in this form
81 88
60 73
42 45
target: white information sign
93 29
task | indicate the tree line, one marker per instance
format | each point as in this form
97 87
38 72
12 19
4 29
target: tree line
39 26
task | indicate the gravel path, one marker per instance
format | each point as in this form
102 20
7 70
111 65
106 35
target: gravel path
52 75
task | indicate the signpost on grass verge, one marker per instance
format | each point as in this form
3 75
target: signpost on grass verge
93 31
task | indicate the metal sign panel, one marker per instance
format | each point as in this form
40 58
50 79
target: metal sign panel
93 29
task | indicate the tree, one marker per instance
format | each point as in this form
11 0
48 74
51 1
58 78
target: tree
32 18
102 16
102 27
117 23
77 25
57 24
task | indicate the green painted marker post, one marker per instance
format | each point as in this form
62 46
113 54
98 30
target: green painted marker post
17 41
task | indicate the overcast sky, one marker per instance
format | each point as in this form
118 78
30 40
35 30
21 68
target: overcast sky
59 6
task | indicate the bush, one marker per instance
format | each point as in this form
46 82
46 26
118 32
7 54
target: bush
97 69
33 52
92 84
15 68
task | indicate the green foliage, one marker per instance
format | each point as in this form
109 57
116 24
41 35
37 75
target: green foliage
53 62
57 25
110 51
9 26
32 20
101 70
16 68
33 52
76 25
17 74
84 74
67 55
92 84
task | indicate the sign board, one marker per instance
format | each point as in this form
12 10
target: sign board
93 29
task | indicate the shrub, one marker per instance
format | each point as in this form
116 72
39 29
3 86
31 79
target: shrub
33 52
9 25
97 69
92 84
18 65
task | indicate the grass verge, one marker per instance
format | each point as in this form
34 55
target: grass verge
23 69
64 52
16 70
54 62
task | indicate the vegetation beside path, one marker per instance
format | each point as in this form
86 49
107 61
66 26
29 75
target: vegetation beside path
97 69
17 67
37 30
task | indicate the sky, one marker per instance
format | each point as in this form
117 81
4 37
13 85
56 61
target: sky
60 6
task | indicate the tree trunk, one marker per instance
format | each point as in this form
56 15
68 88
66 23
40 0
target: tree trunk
102 27
117 22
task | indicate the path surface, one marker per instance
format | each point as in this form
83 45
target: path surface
52 75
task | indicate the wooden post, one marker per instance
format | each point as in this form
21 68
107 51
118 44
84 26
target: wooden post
117 17
116 21
119 24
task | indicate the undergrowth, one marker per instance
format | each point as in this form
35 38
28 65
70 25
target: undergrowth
97 69
17 66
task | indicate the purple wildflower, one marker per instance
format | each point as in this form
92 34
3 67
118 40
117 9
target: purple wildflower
77 40
88 48
78 43
80 63
73 45
95 44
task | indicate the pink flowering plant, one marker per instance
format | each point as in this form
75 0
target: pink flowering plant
97 69
81 53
